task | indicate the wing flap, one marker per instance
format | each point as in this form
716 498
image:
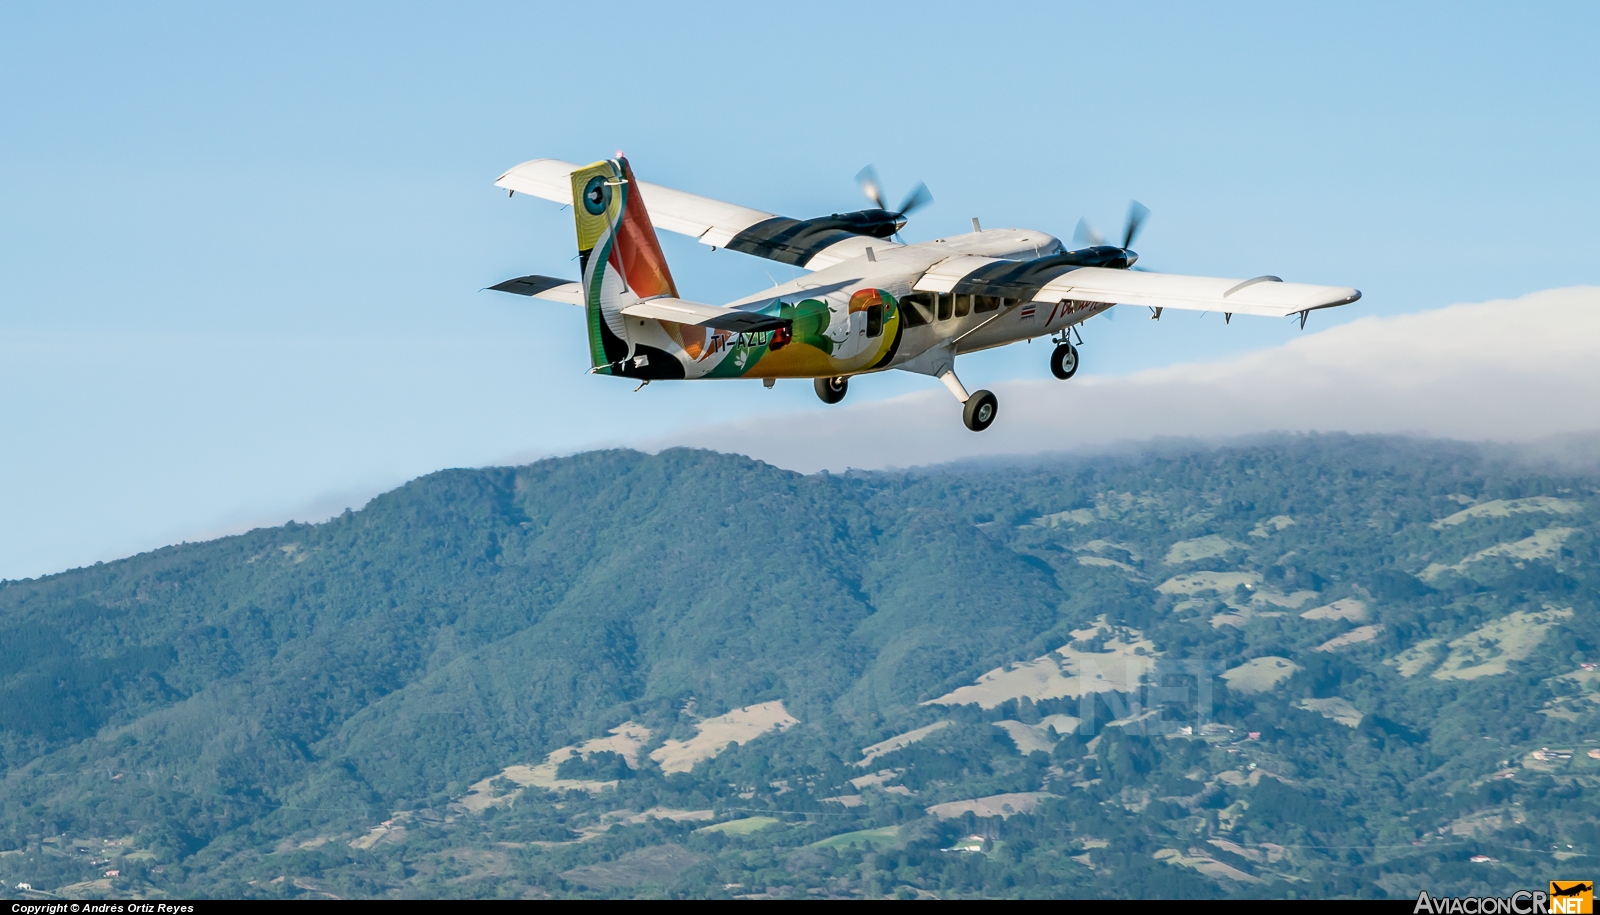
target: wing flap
1264 296
680 311
543 287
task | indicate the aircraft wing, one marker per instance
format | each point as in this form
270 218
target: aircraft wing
666 308
1267 296
543 287
809 243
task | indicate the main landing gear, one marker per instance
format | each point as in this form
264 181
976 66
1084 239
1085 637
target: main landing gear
1064 358
1064 361
979 411
979 408
832 390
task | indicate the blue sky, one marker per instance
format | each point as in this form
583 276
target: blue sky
240 245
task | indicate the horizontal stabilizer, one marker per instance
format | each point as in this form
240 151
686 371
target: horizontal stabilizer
543 287
679 311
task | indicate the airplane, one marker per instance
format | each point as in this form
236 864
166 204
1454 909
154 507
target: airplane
868 303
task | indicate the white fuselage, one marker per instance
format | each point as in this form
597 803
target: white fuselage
957 326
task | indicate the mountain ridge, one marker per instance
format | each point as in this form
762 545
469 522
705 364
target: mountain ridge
206 698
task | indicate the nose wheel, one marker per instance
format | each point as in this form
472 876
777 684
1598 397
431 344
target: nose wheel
1064 361
832 390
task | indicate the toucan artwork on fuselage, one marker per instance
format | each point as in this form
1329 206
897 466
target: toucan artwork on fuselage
868 302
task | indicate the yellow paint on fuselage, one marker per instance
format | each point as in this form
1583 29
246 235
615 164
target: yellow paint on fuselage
801 360
828 338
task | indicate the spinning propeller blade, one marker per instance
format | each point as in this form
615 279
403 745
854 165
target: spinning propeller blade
868 179
919 197
1086 235
1136 216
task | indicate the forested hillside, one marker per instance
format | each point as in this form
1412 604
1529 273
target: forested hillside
1309 666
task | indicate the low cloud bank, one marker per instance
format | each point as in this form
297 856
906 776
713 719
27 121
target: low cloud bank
1510 371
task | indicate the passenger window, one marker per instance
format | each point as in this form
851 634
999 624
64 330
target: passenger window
982 303
875 321
945 299
963 305
914 309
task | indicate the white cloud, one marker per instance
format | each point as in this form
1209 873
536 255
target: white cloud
1510 370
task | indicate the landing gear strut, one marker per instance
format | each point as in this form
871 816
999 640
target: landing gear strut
980 407
1064 361
832 390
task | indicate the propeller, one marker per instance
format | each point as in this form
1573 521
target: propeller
1085 234
1136 216
918 198
868 179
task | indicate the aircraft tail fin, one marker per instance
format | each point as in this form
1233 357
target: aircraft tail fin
621 257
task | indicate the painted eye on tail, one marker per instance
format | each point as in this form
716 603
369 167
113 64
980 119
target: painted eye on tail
596 195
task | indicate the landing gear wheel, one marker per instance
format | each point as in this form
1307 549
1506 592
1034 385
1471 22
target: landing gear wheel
980 411
832 390
1064 361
